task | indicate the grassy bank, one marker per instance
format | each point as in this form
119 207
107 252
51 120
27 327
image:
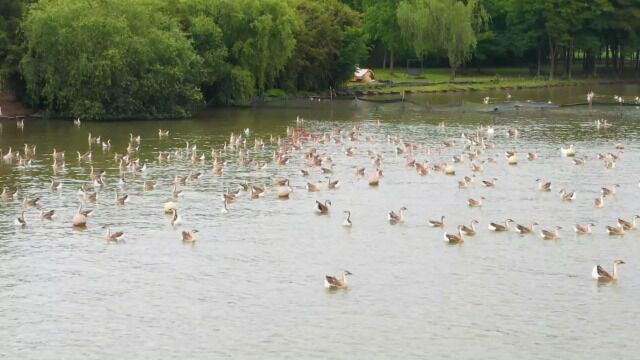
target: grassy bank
437 80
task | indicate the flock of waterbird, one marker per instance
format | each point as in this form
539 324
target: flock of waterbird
476 147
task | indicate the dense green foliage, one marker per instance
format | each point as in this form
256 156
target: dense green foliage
113 58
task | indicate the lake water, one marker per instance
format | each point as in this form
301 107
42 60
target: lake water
252 285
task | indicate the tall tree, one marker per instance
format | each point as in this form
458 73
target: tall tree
381 23
441 27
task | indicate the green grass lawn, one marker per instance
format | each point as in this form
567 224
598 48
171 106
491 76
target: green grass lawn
442 74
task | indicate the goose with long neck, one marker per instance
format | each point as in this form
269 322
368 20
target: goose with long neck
436 223
175 218
626 225
599 202
347 221
454 238
499 227
321 208
114 237
396 218
332 282
80 218
20 221
600 274
469 230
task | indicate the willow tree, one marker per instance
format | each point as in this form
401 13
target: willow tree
441 27
108 59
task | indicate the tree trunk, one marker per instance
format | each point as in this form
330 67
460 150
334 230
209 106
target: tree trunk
606 57
552 58
539 60
569 67
452 73
391 59
638 59
384 59
621 54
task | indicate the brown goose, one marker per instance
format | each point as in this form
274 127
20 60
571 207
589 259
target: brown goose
323 209
615 230
500 228
475 202
257 192
121 200
599 202
374 179
626 225
189 236
114 237
583 229
55 185
149 185
30 203
551 235
436 223
521 229
567 196
608 192
396 218
454 238
313 187
7 194
469 230
334 184
543 186
332 282
47 215
489 183
600 274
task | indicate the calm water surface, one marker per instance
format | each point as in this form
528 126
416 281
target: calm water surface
252 286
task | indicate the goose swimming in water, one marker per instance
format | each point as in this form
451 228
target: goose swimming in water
121 200
321 208
475 202
436 223
551 235
47 215
567 196
615 231
347 221
313 187
626 225
489 183
600 274
80 217
469 230
55 185
189 236
374 179
608 192
149 185
583 229
500 228
175 218
113 237
396 218
332 282
599 202
521 229
569 152
543 186
284 191
333 184
454 238
7 194
30 203
20 221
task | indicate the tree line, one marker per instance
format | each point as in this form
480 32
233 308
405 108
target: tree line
160 58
